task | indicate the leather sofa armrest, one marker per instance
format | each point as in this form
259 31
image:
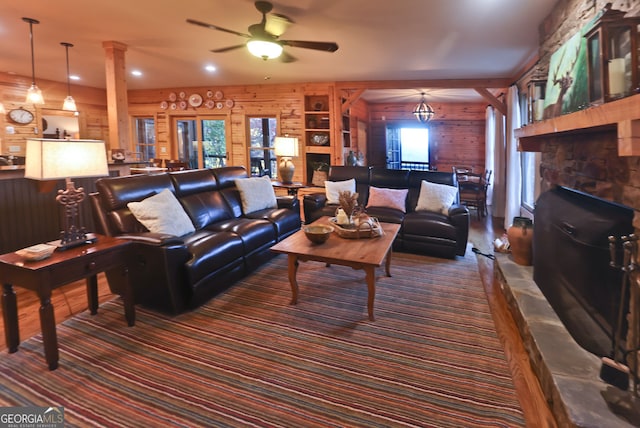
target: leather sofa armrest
459 215
314 201
290 202
156 239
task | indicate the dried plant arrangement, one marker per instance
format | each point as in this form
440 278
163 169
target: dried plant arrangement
348 201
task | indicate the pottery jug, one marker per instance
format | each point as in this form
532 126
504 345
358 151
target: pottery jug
520 235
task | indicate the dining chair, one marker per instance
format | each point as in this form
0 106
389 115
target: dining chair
174 165
473 191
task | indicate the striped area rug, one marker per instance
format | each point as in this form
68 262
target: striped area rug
431 359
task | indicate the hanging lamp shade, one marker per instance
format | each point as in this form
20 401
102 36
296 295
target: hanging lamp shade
69 103
423 111
34 94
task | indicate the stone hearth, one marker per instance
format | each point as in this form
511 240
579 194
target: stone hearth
568 374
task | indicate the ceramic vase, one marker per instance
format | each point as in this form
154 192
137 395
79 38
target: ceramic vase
520 235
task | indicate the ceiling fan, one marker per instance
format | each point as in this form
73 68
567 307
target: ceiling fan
264 37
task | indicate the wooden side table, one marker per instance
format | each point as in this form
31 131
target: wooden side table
61 268
292 188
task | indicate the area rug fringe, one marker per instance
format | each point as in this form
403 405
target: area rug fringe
247 358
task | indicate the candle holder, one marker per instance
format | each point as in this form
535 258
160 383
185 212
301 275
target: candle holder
612 48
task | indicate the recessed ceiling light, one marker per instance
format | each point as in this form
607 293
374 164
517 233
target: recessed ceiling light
210 68
74 77
136 73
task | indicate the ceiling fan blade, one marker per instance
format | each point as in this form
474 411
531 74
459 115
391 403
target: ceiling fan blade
228 48
277 24
319 46
215 27
287 57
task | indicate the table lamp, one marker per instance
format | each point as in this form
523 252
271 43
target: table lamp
286 147
48 159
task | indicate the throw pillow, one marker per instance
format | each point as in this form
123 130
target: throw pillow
333 189
389 198
436 197
162 213
256 194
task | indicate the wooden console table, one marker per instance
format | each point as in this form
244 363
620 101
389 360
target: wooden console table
61 268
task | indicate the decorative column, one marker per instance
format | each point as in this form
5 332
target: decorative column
117 101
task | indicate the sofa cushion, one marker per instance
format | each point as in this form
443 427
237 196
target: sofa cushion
162 213
212 252
256 194
390 198
436 197
256 234
333 189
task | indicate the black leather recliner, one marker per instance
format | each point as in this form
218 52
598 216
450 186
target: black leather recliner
174 274
422 231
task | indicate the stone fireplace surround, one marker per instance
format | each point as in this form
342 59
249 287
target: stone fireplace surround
568 374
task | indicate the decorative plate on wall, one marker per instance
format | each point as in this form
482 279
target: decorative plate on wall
173 96
210 104
174 106
183 105
209 93
219 105
182 95
218 95
164 105
195 100
229 103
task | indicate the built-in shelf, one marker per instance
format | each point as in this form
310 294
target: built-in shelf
622 116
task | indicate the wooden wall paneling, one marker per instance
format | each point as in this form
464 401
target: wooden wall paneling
31 217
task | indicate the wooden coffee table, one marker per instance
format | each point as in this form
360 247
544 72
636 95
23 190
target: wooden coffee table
366 254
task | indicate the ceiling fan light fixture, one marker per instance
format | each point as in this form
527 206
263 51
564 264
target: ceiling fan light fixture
264 49
423 111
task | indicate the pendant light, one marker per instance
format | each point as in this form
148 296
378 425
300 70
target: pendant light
34 94
69 102
423 111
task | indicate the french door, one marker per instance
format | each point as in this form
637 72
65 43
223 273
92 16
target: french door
201 141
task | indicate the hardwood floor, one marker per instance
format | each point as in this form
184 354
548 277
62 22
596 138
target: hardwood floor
72 299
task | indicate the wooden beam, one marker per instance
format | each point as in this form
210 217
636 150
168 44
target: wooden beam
436 83
117 101
352 98
495 102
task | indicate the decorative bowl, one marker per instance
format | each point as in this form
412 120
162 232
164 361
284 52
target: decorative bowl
320 139
318 234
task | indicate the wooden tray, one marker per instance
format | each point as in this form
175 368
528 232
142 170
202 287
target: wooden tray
354 232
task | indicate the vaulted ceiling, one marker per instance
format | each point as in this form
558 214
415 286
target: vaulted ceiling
409 40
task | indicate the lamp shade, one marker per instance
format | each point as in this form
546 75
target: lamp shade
286 146
264 49
48 159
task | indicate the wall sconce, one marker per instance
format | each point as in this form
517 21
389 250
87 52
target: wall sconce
535 100
48 159
612 47
286 147
423 111
69 102
34 94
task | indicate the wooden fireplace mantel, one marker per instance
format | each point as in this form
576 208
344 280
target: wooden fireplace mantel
622 115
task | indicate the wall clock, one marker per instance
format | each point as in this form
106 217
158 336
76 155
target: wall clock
21 116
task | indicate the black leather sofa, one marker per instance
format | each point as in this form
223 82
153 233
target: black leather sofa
422 231
174 274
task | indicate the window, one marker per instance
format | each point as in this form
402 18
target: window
408 148
145 137
262 131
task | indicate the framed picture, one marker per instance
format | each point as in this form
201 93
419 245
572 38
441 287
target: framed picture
567 88
118 155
